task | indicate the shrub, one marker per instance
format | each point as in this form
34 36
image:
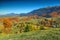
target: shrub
42 27
26 28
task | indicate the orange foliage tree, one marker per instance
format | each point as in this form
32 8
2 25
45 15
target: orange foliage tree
44 14
54 14
7 25
15 18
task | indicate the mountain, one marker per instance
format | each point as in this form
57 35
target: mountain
46 10
10 14
39 12
23 14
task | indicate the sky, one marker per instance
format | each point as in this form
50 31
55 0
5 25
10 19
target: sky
24 6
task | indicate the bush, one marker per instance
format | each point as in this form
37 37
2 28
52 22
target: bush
42 27
26 28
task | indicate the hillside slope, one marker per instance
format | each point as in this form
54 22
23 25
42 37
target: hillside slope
46 10
50 34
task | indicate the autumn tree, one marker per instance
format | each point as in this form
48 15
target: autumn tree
54 14
44 14
15 18
7 25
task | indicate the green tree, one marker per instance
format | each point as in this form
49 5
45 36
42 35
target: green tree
26 28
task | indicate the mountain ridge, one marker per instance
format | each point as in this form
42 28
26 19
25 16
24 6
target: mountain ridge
39 12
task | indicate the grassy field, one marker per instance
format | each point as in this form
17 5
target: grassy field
50 34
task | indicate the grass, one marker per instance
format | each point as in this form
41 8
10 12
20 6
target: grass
50 34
